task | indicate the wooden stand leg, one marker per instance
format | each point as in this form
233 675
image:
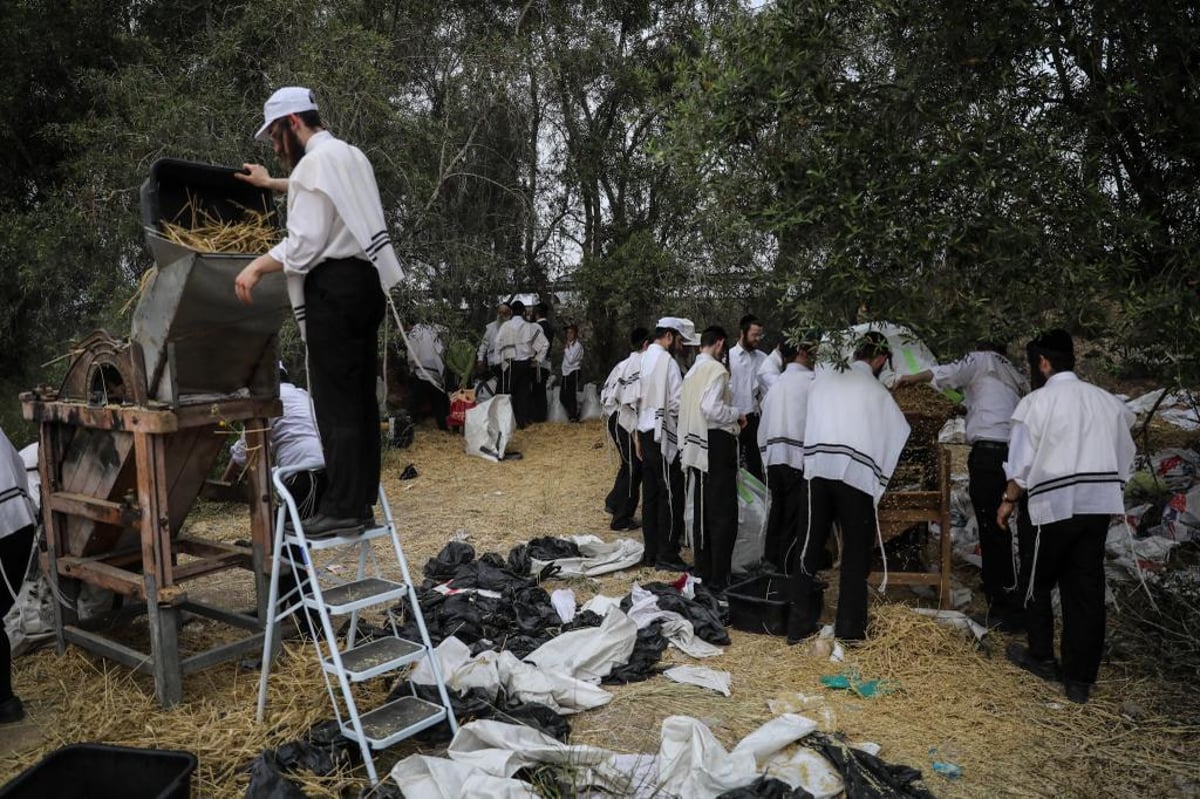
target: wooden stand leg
260 511
164 648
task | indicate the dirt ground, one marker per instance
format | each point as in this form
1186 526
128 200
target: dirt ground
950 699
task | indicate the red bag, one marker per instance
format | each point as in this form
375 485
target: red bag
461 401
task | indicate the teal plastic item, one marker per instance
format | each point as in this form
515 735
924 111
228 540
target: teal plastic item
850 681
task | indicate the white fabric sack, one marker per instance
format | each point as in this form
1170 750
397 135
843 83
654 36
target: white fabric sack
423 777
489 427
754 505
555 412
590 408
692 763
701 676
503 749
491 671
596 557
563 600
591 653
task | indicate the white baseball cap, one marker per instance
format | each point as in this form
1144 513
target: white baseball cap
685 327
288 100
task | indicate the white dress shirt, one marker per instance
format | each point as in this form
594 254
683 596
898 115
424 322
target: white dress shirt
991 387
487 352
572 357
315 230
743 378
1071 449
294 437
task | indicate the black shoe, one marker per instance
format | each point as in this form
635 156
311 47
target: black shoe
1019 656
626 524
609 509
11 711
322 526
671 563
1077 692
998 622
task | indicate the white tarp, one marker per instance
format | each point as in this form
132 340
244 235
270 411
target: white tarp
596 557
489 427
691 763
909 353
1178 408
701 676
956 619
492 671
588 654
590 408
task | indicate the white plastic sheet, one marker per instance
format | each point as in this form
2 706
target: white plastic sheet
590 408
555 412
591 653
563 600
596 557
956 619
754 506
489 427
423 777
701 676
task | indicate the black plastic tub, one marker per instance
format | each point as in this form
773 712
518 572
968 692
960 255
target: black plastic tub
99 771
760 604
210 190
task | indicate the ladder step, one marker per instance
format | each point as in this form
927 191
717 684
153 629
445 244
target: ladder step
357 595
376 657
317 544
396 721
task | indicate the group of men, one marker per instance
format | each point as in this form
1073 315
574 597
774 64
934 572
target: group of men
515 352
829 436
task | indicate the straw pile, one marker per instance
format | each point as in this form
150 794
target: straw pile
204 232
1012 734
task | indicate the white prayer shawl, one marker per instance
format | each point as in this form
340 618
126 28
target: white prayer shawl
425 349
784 414
487 352
769 371
17 510
572 357
658 398
693 423
29 456
608 392
628 392
512 341
1080 451
854 431
342 173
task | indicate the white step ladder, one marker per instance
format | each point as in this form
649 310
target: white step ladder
399 719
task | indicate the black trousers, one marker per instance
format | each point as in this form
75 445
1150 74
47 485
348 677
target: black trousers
15 549
662 500
714 498
517 382
985 465
854 511
627 487
568 395
538 407
425 396
751 456
344 306
789 513
1070 555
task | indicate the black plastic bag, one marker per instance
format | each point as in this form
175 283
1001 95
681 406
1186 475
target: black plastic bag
449 560
767 788
867 776
643 661
268 782
703 612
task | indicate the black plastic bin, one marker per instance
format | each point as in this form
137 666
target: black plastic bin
99 771
173 184
760 604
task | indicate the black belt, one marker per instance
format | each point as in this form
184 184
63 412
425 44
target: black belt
985 444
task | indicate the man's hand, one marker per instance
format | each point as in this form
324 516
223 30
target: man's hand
257 175
1004 513
248 278
742 422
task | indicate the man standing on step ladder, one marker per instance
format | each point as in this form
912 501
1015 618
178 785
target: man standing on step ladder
339 264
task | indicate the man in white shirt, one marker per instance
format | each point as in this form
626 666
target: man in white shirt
1070 453
853 436
572 361
487 357
708 428
781 445
18 523
992 387
426 372
339 262
769 372
542 367
745 360
521 344
619 400
658 445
